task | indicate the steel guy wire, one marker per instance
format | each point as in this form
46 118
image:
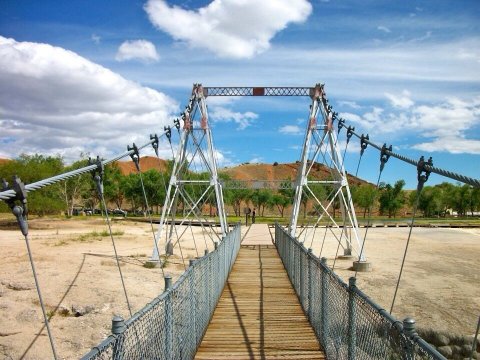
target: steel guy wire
150 219
99 182
40 298
406 248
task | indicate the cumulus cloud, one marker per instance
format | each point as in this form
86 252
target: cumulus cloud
402 101
290 130
223 114
53 101
137 50
228 28
445 126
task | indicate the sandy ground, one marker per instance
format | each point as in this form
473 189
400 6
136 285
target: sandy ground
76 268
440 284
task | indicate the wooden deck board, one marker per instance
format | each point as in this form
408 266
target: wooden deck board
258 315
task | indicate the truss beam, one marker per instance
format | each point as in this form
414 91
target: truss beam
258 91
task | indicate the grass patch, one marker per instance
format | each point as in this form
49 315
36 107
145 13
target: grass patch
149 265
95 235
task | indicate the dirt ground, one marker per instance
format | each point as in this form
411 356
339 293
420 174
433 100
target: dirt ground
440 284
440 287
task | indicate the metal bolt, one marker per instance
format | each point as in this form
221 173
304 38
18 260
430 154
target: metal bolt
206 251
191 262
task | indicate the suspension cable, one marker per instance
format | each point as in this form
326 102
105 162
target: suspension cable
450 174
9 194
423 174
98 178
136 160
21 212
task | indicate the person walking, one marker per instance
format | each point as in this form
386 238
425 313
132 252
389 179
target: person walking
253 216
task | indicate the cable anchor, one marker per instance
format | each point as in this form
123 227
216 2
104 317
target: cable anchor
154 137
20 211
423 172
341 124
334 117
176 123
384 155
168 133
135 155
97 174
350 131
363 143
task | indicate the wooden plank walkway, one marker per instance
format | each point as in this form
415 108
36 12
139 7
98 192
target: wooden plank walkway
259 315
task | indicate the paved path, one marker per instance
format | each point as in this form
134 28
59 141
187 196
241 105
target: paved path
258 315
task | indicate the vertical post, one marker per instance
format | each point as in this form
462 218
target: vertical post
409 331
351 318
168 318
118 327
324 311
310 287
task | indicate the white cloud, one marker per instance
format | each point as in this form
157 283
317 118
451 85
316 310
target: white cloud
384 29
228 28
290 130
402 101
54 101
223 114
137 50
96 39
454 145
351 104
446 126
256 160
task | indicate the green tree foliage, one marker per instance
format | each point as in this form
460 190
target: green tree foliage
260 199
364 196
71 190
392 198
280 202
32 168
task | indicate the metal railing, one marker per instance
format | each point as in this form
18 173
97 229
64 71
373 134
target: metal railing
347 323
173 324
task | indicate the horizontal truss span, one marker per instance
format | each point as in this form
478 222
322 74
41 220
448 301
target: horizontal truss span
258 91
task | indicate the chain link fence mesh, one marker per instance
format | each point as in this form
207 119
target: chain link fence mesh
347 323
173 324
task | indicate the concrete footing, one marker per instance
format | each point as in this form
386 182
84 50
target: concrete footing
362 266
169 248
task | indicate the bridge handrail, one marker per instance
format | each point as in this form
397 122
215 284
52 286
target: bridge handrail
348 324
173 324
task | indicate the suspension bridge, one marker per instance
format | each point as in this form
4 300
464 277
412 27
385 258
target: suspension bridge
266 295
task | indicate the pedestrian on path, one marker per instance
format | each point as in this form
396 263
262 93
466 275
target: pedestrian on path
253 216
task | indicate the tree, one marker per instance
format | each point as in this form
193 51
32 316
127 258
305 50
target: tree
71 190
391 198
280 201
364 196
260 199
429 202
114 185
32 168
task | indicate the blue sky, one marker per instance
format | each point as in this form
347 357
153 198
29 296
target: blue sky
93 76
